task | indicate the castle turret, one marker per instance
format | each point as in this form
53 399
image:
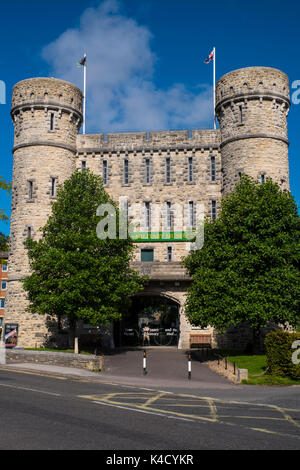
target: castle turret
252 105
46 113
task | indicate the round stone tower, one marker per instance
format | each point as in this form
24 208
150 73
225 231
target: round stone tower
252 105
47 116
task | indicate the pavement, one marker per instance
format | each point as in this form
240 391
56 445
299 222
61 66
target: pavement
167 370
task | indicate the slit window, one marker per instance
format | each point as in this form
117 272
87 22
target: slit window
104 171
262 178
147 215
213 169
168 170
190 169
126 174
241 113
51 121
147 170
2 304
214 210
169 215
53 187
4 267
191 213
83 165
29 232
30 189
169 254
3 285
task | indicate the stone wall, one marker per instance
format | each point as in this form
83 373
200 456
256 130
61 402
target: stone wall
81 361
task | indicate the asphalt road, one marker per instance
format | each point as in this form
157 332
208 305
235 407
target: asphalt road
42 412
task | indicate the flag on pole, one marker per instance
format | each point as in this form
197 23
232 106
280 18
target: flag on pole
209 58
212 57
82 62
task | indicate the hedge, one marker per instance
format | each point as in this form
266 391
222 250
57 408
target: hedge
279 354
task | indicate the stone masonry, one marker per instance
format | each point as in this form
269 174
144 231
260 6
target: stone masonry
156 168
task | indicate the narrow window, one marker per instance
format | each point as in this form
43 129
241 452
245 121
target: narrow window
213 169
30 189
191 213
213 210
190 169
147 215
240 174
147 255
29 232
3 285
168 170
262 178
241 113
4 267
147 170
104 171
83 165
51 121
2 303
126 171
52 187
169 215
169 254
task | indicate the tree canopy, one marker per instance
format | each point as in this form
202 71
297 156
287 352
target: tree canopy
248 268
74 273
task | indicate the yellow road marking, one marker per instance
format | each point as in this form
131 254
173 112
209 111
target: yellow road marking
33 373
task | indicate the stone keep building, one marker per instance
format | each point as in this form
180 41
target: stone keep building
165 168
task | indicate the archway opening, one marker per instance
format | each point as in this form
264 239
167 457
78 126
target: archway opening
152 320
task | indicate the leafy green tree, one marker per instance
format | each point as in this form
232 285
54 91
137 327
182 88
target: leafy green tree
4 239
74 273
248 268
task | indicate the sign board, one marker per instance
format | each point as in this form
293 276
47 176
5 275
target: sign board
11 334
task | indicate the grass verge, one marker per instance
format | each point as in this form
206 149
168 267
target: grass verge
257 368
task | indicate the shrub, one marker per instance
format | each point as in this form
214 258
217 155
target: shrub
279 353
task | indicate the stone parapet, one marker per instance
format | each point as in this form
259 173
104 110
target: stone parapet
161 140
81 361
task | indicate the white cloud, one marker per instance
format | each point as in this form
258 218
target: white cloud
121 94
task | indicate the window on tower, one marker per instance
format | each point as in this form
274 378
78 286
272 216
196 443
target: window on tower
51 121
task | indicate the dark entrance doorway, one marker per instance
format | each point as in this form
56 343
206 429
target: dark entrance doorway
151 321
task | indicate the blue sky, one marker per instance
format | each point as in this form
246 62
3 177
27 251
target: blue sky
145 59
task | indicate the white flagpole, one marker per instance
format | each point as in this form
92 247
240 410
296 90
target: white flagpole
214 52
84 94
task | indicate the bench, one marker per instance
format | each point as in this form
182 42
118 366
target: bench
200 340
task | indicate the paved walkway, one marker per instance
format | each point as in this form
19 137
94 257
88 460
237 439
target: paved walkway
163 364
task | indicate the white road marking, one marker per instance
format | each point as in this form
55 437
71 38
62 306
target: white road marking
30 389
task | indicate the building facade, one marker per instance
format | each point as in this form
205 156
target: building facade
169 170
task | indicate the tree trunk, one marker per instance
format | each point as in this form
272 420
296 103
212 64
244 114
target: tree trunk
256 341
72 332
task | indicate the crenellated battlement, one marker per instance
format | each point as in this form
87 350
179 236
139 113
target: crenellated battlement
126 141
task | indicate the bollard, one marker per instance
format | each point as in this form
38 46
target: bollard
234 368
225 363
145 363
189 367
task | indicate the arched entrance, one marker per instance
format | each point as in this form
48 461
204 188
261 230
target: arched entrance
153 320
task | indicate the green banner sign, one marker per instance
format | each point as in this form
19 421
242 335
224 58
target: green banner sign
186 236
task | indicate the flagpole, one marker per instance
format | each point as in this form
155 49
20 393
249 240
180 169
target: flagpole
84 94
214 52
